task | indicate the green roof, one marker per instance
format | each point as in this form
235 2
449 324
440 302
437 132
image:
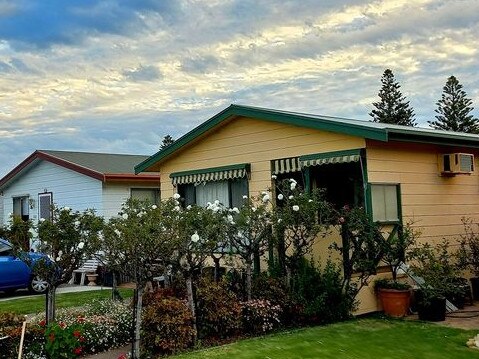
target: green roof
365 129
100 162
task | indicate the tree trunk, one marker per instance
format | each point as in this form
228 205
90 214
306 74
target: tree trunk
217 268
138 297
50 304
249 282
191 301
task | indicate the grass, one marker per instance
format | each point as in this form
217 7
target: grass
36 304
357 339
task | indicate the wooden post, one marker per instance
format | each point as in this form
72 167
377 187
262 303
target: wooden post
20 350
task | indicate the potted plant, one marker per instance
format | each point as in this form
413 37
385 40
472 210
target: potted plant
469 254
438 270
393 294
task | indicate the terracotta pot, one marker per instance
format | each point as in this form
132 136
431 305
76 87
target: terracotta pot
395 302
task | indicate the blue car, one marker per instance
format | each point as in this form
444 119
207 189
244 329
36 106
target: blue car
15 274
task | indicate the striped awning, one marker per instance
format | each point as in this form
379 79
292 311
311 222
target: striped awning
285 165
330 158
211 174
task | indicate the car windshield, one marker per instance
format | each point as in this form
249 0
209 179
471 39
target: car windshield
4 246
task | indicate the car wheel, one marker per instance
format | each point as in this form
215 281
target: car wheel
38 285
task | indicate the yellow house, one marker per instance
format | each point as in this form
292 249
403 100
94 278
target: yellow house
398 173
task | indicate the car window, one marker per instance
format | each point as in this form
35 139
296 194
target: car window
5 249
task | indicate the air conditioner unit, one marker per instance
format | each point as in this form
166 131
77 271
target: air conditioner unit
457 163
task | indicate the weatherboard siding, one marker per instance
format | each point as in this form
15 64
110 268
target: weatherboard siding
69 188
434 204
246 140
115 194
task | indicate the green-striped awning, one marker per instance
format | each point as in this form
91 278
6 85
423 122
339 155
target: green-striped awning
285 165
211 174
319 159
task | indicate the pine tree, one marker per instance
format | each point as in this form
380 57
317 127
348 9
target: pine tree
393 107
454 110
167 140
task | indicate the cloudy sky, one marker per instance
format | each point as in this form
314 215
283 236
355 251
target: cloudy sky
118 75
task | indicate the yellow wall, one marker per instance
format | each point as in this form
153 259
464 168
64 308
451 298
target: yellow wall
246 140
434 203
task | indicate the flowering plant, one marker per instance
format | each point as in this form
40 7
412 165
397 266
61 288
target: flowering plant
62 341
260 316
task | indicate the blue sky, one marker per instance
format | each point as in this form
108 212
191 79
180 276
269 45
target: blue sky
118 75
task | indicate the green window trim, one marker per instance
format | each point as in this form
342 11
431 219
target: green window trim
319 159
211 174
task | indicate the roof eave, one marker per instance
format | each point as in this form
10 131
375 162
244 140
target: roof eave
266 115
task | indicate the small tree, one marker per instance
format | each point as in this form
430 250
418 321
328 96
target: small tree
138 243
200 231
18 232
454 110
251 227
392 107
362 248
167 140
299 218
67 238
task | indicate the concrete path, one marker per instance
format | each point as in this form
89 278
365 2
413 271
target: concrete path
63 289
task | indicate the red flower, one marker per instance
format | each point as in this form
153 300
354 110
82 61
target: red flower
76 334
78 351
81 339
51 337
80 319
42 323
122 356
62 325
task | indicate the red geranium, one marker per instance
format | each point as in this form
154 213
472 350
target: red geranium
78 350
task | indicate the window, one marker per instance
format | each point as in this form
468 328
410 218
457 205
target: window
151 195
21 207
230 192
385 202
45 205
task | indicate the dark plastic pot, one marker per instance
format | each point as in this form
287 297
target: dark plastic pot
475 288
433 310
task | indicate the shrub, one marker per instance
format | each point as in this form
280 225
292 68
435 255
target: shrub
104 324
320 293
219 311
62 341
260 316
167 326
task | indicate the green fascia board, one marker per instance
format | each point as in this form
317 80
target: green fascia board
320 123
364 129
319 156
445 139
241 166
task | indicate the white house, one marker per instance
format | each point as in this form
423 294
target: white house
78 180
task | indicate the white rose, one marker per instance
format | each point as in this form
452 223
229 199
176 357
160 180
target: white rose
235 210
188 207
176 196
291 197
154 206
296 208
77 223
195 237
292 185
81 245
253 209
124 216
245 197
266 198
274 177
280 197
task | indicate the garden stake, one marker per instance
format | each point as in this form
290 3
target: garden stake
20 350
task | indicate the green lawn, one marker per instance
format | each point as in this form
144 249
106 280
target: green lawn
358 339
36 304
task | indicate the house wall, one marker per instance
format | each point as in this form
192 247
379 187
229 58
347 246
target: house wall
115 194
246 140
69 188
434 204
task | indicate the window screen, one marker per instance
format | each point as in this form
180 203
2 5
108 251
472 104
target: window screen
145 194
45 205
385 202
